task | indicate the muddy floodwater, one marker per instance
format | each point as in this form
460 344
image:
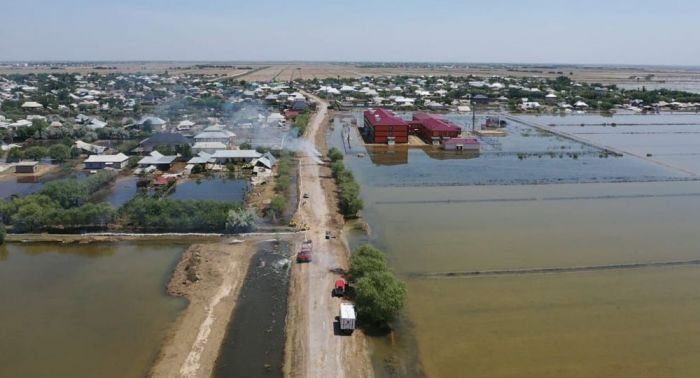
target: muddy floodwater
254 343
545 278
96 310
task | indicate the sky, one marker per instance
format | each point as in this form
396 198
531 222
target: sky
487 31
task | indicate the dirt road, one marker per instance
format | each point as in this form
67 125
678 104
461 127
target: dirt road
313 348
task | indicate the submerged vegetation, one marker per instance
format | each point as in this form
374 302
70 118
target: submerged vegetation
61 204
379 294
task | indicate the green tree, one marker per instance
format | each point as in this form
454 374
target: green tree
36 153
379 296
59 153
240 220
364 260
2 233
277 206
14 155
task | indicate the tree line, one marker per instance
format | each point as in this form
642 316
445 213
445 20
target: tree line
349 201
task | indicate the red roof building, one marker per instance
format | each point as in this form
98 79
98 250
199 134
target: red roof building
384 127
433 129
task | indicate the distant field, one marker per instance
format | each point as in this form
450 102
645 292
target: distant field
261 71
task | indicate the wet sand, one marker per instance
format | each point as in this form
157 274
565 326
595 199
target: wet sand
210 276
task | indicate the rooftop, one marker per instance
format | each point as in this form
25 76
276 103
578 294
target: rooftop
383 117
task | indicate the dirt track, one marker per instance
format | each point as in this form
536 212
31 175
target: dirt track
210 277
313 349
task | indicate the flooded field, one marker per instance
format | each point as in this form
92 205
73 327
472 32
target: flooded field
625 315
254 343
672 140
215 188
24 185
84 311
526 156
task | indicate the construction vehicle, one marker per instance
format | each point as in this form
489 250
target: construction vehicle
347 318
305 255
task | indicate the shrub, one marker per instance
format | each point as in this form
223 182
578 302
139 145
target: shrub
241 220
335 155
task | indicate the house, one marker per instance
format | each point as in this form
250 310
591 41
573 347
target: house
208 147
88 148
461 143
216 134
32 105
155 122
201 158
173 140
117 161
383 126
235 156
27 167
185 125
299 105
480 99
580 105
158 160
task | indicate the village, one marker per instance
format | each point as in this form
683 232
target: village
260 174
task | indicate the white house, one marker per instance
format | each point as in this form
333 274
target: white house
235 156
117 161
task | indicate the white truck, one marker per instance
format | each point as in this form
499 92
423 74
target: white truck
347 318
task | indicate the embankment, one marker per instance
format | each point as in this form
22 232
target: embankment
210 276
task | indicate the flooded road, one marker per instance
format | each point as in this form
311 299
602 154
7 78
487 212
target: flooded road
97 310
572 323
254 343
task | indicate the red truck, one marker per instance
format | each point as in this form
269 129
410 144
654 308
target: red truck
306 252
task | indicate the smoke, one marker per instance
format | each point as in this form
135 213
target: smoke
304 146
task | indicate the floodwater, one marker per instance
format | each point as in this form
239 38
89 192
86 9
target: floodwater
669 139
25 185
97 310
215 188
627 322
119 193
254 343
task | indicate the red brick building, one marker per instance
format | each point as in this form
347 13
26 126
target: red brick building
433 129
384 127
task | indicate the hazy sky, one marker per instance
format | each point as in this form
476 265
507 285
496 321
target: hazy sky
530 31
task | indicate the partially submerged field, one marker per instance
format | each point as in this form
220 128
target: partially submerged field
618 320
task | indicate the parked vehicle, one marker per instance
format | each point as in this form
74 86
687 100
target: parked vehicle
305 255
339 289
347 318
328 235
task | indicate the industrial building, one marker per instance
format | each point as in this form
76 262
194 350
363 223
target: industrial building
384 127
433 129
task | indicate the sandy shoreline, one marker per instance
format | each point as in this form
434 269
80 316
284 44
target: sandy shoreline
210 277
